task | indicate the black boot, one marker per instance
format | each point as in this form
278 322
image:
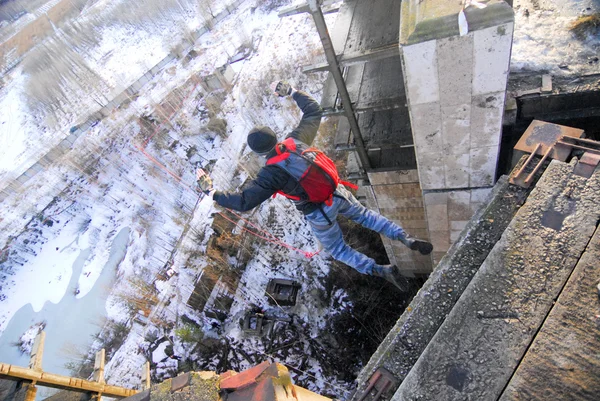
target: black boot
392 274
416 244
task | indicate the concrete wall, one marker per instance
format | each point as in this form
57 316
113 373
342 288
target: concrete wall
448 213
397 196
455 85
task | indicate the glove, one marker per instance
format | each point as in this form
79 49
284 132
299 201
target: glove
282 88
204 182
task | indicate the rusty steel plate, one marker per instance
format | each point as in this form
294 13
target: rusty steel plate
547 134
587 164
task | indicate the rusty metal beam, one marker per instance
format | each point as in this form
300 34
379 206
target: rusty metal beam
334 68
537 167
41 378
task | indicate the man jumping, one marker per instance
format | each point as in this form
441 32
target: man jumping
283 173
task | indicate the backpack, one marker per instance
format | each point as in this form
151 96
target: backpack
315 172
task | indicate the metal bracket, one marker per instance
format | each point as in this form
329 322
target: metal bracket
557 142
382 381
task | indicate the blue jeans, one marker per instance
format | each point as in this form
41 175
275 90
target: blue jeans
330 235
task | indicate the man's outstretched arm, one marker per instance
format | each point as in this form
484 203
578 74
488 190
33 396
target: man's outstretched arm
312 112
270 179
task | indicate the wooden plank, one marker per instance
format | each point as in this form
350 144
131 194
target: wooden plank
37 352
63 382
353 78
346 60
303 8
330 94
339 33
382 79
342 134
385 128
563 362
376 24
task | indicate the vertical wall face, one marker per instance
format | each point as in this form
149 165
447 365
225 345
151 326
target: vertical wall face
397 195
455 87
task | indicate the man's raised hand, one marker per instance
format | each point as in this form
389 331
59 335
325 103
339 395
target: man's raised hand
282 88
204 181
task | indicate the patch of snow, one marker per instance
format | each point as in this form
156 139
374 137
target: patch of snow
45 277
543 41
28 338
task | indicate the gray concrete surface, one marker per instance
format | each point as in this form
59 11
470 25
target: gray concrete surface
476 350
419 323
563 362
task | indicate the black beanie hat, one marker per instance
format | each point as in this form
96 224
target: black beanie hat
262 139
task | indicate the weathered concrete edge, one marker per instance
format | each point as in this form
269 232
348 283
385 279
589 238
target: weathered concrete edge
482 359
428 309
566 330
418 25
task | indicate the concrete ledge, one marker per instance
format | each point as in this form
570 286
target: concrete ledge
563 362
418 324
425 20
478 347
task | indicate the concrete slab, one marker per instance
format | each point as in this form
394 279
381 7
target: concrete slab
419 323
437 217
455 54
486 119
421 72
456 127
431 171
562 363
459 205
426 120
491 58
440 240
393 177
435 198
480 195
476 350
457 169
483 166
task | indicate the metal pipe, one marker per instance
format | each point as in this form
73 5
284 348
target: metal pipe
334 68
588 141
579 147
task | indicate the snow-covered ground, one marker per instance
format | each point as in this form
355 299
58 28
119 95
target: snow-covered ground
543 40
106 184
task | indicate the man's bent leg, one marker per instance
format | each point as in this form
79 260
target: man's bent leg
378 223
330 236
370 219
333 242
